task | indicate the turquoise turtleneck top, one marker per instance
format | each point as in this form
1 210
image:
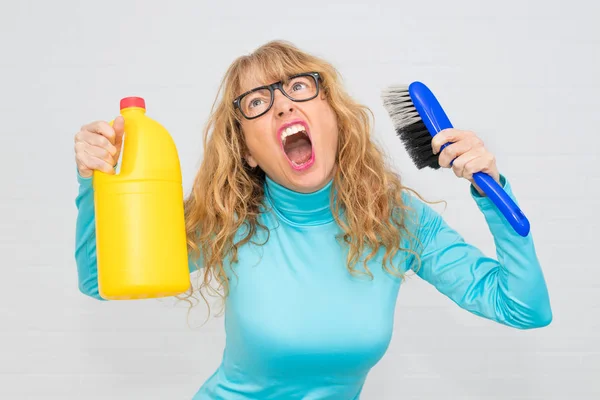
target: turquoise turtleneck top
300 326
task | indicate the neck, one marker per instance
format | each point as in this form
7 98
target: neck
300 208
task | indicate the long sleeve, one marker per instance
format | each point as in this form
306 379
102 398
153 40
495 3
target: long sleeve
510 290
85 240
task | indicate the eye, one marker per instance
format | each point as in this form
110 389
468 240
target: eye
298 86
255 103
256 99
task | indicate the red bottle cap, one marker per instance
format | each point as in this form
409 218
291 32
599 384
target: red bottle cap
133 101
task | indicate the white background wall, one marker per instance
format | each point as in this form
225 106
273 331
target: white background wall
522 74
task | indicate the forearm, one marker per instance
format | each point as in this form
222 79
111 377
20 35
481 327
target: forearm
509 289
85 240
522 298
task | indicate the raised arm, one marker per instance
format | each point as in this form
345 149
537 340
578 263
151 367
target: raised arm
510 289
97 147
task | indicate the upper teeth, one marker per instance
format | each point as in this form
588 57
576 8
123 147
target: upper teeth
290 130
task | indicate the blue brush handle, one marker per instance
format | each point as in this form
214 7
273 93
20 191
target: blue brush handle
436 120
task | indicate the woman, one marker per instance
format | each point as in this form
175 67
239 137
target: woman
308 233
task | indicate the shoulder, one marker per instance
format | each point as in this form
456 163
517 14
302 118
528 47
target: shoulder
419 218
426 222
417 210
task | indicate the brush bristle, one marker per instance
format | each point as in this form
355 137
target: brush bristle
409 126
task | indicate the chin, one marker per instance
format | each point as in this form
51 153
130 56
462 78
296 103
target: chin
309 179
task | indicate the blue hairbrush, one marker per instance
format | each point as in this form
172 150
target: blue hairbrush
417 117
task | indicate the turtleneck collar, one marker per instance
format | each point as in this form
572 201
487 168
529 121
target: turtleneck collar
300 208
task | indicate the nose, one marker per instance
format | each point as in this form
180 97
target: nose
281 104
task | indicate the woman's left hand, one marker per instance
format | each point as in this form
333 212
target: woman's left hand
467 154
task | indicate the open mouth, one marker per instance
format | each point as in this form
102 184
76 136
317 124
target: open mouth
297 146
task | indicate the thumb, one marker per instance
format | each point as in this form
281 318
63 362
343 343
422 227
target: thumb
119 128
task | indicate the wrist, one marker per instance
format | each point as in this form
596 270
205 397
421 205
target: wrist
476 190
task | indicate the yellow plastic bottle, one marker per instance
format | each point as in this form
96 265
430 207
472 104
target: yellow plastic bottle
140 226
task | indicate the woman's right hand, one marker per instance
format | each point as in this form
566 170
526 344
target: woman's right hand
98 145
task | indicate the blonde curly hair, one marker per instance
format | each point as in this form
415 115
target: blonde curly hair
227 193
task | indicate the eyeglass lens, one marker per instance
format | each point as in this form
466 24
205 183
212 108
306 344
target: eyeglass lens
298 88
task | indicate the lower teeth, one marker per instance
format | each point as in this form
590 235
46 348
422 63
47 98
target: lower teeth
301 164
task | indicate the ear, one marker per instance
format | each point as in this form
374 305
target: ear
251 161
248 157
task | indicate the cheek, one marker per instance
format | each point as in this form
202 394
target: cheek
256 138
331 139
332 132
252 142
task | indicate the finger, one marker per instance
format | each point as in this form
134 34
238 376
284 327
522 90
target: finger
466 142
452 151
98 152
97 140
84 171
458 166
486 162
103 128
449 135
119 129
93 163
468 163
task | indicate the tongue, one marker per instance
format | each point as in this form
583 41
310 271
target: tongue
299 151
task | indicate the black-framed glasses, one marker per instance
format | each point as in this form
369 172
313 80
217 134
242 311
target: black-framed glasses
258 101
